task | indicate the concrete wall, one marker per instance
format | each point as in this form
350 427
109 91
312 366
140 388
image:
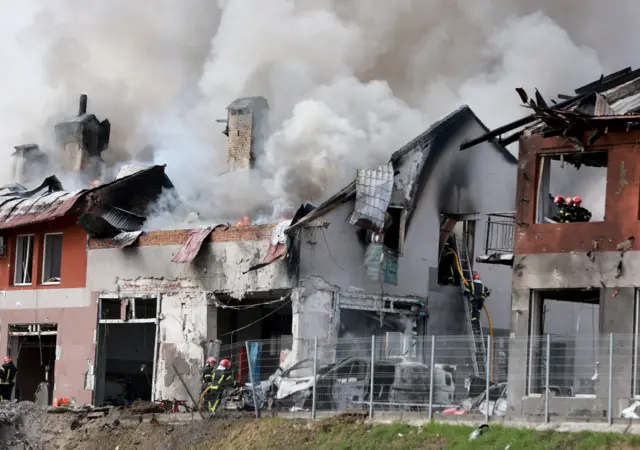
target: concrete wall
239 143
479 181
617 297
74 311
219 266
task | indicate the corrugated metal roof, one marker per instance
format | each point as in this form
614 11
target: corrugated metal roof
130 169
16 211
121 219
373 194
191 248
627 104
125 239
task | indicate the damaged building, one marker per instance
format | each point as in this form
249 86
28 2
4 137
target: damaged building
562 270
121 311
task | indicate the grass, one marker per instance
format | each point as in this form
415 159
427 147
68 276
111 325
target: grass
340 434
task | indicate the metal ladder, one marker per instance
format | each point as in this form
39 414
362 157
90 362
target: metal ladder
478 348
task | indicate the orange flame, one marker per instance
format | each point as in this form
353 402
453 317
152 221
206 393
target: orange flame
245 222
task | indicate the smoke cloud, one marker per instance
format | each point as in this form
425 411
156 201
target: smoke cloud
347 81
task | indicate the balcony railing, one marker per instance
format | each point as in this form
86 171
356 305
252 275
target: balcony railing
500 233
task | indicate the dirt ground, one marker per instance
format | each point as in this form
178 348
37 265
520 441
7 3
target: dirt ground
23 426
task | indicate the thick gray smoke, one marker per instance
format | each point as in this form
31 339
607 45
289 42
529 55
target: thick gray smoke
348 81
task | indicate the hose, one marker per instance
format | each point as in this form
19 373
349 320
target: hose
202 395
486 311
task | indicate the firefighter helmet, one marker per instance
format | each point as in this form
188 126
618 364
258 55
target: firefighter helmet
476 276
7 359
577 200
569 200
559 200
225 363
211 360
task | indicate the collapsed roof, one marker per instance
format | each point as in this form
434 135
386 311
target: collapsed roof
104 211
611 103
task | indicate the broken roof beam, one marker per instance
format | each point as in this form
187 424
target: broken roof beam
604 80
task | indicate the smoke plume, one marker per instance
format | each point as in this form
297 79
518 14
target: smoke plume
347 81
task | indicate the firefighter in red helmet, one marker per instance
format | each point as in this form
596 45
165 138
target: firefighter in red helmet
7 374
477 293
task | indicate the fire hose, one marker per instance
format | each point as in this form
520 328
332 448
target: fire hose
486 311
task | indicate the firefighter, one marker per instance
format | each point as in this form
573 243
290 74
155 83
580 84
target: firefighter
563 215
7 374
207 375
447 270
578 213
220 380
477 293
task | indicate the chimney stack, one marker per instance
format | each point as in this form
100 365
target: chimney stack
247 130
82 109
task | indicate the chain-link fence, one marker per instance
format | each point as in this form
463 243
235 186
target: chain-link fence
543 378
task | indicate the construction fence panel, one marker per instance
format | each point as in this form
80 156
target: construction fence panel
540 378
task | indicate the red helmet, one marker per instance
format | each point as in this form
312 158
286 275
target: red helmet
211 360
569 200
225 363
476 276
7 359
577 200
559 199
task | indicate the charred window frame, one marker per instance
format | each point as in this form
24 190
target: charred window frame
132 309
23 270
545 208
394 235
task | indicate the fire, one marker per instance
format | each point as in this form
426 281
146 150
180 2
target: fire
245 222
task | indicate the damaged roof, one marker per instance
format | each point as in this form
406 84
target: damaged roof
104 210
611 101
414 155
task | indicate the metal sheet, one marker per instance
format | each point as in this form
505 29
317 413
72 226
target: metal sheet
125 239
191 248
373 194
130 169
373 261
20 212
274 253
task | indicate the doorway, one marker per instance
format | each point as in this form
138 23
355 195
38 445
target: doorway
126 350
33 349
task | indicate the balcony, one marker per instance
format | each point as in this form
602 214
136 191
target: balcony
499 238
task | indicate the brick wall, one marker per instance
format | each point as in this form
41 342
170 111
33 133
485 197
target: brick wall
239 143
179 237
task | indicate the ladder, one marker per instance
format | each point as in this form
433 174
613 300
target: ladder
478 348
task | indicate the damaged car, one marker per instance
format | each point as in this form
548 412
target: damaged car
347 384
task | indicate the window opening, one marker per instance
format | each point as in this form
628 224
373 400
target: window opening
52 258
394 223
24 260
570 175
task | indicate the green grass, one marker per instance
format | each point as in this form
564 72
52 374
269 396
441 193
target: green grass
440 436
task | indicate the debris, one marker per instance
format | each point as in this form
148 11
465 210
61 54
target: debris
632 412
482 429
616 291
626 245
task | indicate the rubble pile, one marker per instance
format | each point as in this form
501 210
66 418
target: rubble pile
13 418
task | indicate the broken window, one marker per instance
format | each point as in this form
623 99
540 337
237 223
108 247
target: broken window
394 225
571 175
24 260
457 248
52 258
110 309
146 308
571 319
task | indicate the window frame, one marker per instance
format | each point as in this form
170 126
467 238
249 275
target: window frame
32 238
44 259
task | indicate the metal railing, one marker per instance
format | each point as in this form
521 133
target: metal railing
500 233
542 378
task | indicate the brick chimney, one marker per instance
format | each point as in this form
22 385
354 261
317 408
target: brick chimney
247 130
81 140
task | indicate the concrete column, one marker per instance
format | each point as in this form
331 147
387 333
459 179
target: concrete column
518 350
615 307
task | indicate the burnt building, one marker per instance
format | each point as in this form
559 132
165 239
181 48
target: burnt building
562 270
247 130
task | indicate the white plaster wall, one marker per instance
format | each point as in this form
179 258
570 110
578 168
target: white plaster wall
182 335
218 267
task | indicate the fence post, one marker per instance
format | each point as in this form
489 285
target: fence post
253 387
487 370
315 377
372 371
431 373
610 404
546 379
